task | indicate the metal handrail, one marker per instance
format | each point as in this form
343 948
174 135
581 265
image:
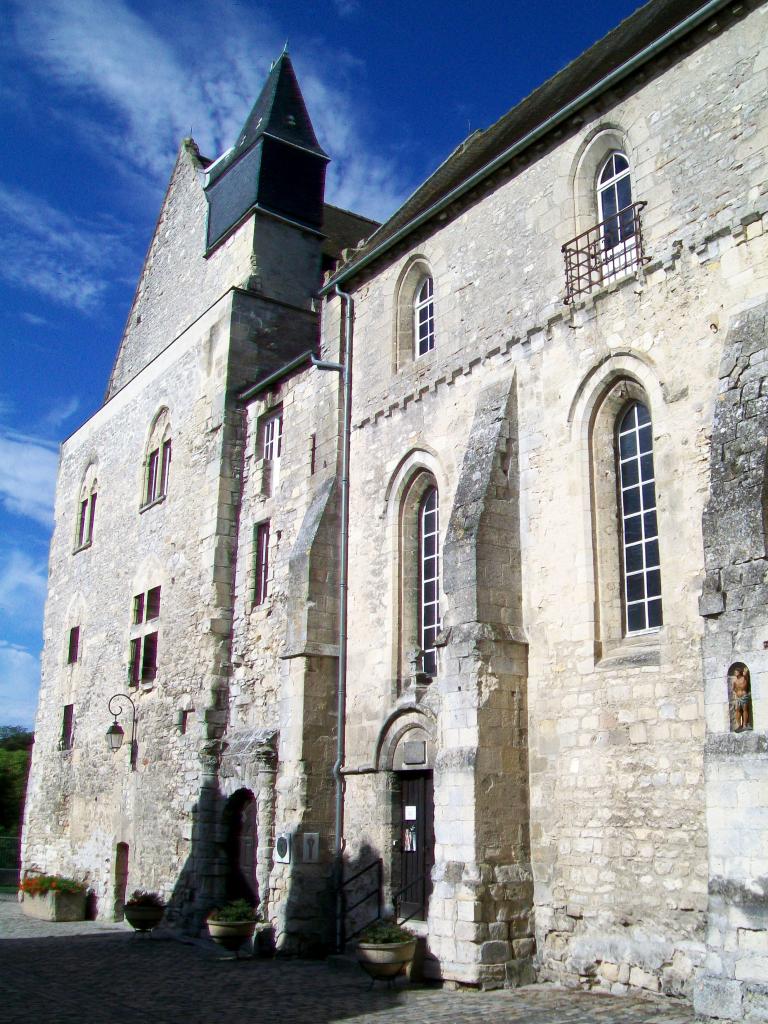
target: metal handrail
396 899
346 908
590 258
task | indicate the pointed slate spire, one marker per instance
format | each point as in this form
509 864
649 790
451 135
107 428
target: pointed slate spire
279 112
276 164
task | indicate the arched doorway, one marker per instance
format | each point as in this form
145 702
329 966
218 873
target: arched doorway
407 750
240 844
121 880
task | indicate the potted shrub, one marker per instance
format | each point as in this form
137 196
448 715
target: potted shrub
385 950
144 910
53 898
233 924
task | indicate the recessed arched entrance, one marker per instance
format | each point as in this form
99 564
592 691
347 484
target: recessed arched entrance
407 749
240 845
120 880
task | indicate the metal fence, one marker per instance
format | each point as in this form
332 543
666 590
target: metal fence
10 860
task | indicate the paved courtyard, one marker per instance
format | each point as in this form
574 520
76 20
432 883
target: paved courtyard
93 973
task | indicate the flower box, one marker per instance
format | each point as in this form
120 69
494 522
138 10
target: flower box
55 906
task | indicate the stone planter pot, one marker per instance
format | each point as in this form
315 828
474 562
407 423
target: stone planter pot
55 906
143 919
385 960
231 934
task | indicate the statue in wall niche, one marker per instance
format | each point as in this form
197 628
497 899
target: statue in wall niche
740 694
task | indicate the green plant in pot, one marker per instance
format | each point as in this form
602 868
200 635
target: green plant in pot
144 910
232 924
385 949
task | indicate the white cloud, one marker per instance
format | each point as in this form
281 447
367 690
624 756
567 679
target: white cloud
28 468
160 81
60 412
19 684
50 253
34 319
22 587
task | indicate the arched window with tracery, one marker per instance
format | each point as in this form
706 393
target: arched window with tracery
157 460
424 317
429 579
639 525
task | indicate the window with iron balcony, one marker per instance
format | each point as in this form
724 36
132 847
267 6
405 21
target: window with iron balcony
614 246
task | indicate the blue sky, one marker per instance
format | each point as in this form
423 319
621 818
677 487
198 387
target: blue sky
95 96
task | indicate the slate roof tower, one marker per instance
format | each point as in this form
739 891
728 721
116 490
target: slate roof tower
276 164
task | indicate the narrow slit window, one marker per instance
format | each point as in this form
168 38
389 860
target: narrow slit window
138 609
429 579
261 564
74 645
134 669
639 524
67 727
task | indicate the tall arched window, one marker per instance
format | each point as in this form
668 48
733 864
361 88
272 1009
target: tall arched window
429 579
424 317
614 199
639 529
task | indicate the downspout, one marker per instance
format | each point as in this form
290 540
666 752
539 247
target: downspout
341 707
345 368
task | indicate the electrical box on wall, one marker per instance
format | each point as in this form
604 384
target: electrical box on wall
283 848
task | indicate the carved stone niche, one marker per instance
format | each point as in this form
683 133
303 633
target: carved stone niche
740 698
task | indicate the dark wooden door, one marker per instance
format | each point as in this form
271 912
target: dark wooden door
417 843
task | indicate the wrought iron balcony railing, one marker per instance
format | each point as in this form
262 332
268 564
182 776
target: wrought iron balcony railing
604 252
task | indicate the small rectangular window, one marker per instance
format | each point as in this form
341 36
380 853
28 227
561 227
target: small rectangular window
149 658
273 450
134 669
261 563
153 603
81 534
74 645
138 609
65 743
312 453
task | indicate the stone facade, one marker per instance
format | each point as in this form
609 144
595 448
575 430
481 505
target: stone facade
564 797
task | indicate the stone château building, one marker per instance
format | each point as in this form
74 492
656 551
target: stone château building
541 392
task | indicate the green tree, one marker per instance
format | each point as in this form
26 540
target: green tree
15 755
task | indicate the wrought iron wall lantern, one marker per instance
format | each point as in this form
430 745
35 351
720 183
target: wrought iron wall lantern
116 733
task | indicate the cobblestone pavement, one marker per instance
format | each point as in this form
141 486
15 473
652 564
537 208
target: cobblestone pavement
93 973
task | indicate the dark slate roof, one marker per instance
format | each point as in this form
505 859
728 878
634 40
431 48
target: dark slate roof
279 112
344 229
634 34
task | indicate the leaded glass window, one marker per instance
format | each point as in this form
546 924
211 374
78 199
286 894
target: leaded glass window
639 528
424 317
429 581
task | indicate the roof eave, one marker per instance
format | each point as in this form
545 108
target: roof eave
667 38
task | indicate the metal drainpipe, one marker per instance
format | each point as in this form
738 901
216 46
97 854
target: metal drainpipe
341 696
345 368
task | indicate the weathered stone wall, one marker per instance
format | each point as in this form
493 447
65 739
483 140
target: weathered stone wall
733 603
616 745
175 544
